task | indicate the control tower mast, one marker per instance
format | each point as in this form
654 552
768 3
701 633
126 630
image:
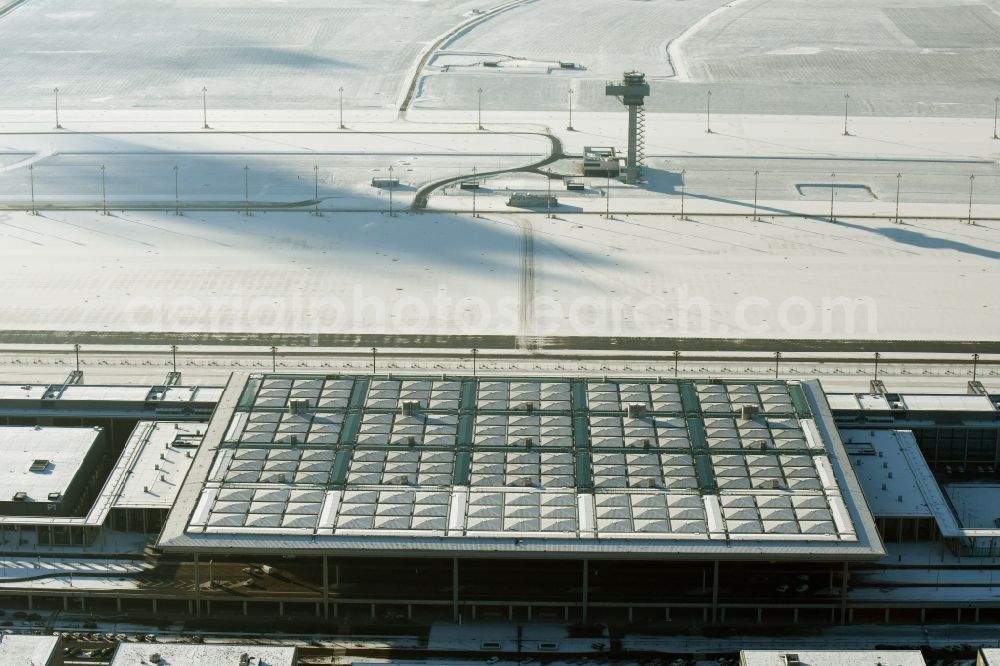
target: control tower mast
632 92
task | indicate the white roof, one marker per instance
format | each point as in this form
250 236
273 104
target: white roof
62 449
21 650
911 478
117 393
991 656
887 463
185 654
153 464
912 402
833 657
949 403
22 391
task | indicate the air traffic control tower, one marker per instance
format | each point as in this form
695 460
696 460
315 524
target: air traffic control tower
632 91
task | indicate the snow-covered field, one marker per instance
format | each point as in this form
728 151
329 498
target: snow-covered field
757 56
506 275
249 54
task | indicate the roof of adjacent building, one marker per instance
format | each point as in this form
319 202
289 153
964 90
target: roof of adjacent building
912 402
41 462
893 473
153 465
197 654
832 658
550 465
23 650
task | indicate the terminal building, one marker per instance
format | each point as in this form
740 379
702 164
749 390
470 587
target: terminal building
343 498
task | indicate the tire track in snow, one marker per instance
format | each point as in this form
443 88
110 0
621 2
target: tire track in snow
11 6
526 284
440 41
27 161
674 55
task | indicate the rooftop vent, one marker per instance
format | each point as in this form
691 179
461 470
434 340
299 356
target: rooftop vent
748 412
409 407
529 406
411 440
527 442
39 465
792 659
154 658
20 496
54 496
636 410
297 406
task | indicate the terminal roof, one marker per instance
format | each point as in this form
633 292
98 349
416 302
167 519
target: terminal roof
534 465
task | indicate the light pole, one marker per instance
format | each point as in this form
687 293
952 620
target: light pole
173 354
58 126
877 357
570 125
374 352
972 180
391 212
996 108
777 361
899 177
607 198
677 361
246 188
474 352
76 351
316 188
104 193
833 189
274 358
975 362
683 187
475 186
480 108
756 174
847 98
548 195
708 113
204 107
341 89
177 192
31 177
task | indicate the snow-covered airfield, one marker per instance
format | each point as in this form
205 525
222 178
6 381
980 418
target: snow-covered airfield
921 80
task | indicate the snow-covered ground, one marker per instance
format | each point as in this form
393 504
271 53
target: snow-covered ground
497 274
148 53
893 58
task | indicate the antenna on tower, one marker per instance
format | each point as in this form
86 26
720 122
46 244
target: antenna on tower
632 92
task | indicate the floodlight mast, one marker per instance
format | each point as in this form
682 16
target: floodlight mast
632 92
